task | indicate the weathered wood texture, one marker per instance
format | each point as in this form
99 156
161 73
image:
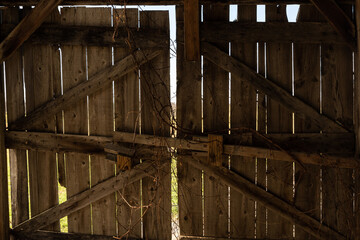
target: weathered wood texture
155 119
307 87
16 109
4 200
216 118
243 115
127 119
191 30
269 200
101 123
337 89
75 120
188 121
357 123
84 198
26 27
279 175
43 82
160 2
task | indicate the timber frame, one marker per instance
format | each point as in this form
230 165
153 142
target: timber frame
337 147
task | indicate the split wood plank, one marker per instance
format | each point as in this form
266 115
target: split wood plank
338 19
188 116
16 109
43 83
61 236
127 119
269 200
215 118
337 89
307 87
191 30
4 198
75 122
357 122
279 119
26 27
102 79
155 119
88 196
269 87
161 2
243 115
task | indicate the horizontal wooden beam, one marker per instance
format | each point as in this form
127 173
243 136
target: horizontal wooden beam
26 27
338 19
160 2
306 32
40 235
99 81
96 36
267 199
270 88
86 197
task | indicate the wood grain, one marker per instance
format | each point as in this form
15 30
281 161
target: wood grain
191 30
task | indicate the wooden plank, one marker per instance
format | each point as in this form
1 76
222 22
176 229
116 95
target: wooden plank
159 2
155 119
215 118
243 116
84 198
26 27
75 121
337 89
16 109
188 117
42 78
4 198
279 175
81 90
191 30
269 87
101 123
307 87
269 200
61 236
127 119
338 19
357 123
215 149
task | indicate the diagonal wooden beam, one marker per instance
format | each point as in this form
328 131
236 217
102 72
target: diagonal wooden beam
27 27
270 88
86 197
338 19
99 81
267 199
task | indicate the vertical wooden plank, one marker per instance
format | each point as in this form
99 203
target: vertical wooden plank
75 121
127 119
279 69
4 200
42 74
216 118
191 29
337 86
15 110
189 121
101 123
307 87
261 211
356 232
243 116
155 108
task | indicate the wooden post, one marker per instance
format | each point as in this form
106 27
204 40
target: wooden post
4 205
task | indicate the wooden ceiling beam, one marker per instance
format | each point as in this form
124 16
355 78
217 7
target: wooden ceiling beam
26 27
97 82
89 196
338 19
267 199
270 88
